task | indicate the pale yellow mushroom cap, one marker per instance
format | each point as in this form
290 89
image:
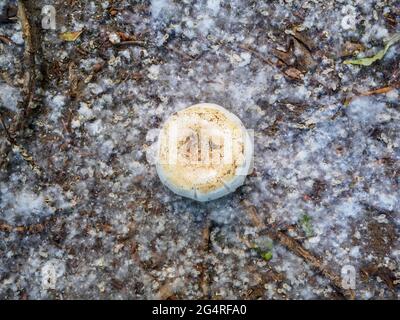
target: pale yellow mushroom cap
204 152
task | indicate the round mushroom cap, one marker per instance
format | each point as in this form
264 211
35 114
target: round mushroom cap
204 152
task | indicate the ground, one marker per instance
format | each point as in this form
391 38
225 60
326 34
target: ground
82 211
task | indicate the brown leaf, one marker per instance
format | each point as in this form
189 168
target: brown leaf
304 59
294 73
305 40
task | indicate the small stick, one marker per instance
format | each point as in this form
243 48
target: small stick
204 273
131 42
295 247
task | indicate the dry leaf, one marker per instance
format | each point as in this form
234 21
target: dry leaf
305 40
304 59
70 36
294 73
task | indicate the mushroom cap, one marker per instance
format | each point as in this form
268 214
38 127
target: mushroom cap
204 152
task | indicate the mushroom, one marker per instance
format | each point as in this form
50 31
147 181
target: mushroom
204 152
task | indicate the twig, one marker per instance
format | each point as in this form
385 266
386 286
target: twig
295 247
31 229
131 42
31 73
29 57
204 271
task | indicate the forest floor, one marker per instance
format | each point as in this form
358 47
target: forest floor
82 211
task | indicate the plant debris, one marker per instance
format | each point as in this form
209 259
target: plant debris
5 40
306 225
378 56
71 36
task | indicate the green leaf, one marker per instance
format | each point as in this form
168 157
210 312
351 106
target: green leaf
378 56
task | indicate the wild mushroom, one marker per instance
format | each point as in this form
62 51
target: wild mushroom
204 152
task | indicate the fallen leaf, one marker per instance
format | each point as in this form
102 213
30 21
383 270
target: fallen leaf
305 40
304 59
294 73
378 56
70 36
